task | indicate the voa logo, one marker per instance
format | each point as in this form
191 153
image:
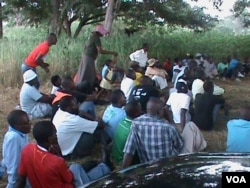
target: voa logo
236 179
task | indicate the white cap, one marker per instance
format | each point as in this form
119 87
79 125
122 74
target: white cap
29 75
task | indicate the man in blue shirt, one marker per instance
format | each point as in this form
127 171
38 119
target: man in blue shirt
239 132
14 141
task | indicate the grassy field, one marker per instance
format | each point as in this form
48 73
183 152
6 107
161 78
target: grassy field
236 94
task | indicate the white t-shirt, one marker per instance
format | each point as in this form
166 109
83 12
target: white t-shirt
127 85
53 90
178 101
197 87
69 129
28 97
140 56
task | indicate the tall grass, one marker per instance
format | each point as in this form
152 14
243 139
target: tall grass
65 57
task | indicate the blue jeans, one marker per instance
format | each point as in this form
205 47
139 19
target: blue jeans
81 177
25 67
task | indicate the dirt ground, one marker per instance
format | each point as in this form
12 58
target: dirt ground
236 94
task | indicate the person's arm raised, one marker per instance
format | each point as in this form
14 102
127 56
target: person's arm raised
102 51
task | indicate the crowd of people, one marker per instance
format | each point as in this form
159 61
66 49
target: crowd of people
154 110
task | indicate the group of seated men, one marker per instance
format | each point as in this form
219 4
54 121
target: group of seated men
138 128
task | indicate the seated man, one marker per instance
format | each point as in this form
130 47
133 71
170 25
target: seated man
157 74
32 101
114 112
133 110
68 88
179 103
76 135
239 132
210 68
204 107
153 137
14 141
144 91
43 167
128 82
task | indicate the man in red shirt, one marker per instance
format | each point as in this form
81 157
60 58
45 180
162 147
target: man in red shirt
37 55
42 165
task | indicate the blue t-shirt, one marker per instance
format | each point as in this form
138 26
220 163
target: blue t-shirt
238 135
233 63
112 116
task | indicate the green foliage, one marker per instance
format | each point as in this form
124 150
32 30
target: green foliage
65 57
135 14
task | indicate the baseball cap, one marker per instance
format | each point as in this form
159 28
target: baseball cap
29 75
100 28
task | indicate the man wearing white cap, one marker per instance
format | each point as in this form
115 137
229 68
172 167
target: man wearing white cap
86 70
33 102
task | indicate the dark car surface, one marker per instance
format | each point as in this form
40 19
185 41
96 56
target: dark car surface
185 171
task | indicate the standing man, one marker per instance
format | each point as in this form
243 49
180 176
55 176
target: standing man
37 55
87 70
140 56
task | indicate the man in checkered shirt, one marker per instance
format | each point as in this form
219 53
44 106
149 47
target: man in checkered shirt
151 136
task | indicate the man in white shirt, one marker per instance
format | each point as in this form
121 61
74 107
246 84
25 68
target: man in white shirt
128 83
140 56
32 101
76 135
179 102
197 85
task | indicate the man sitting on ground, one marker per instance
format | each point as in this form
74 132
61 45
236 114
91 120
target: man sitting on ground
41 165
114 112
153 137
239 131
133 110
144 91
76 135
32 101
14 141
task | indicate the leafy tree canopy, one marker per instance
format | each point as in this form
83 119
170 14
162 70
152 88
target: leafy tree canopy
134 13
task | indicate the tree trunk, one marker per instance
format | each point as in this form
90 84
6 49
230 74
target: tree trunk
55 26
1 21
109 15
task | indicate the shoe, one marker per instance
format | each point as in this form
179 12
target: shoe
240 75
238 80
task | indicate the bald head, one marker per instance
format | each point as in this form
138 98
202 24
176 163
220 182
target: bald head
245 112
155 107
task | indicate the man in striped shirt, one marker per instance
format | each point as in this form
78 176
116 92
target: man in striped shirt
151 136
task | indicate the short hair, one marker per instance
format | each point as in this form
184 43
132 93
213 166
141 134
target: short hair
51 35
67 82
115 96
131 108
65 102
14 117
145 80
181 87
107 62
54 79
84 87
42 130
130 73
208 86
